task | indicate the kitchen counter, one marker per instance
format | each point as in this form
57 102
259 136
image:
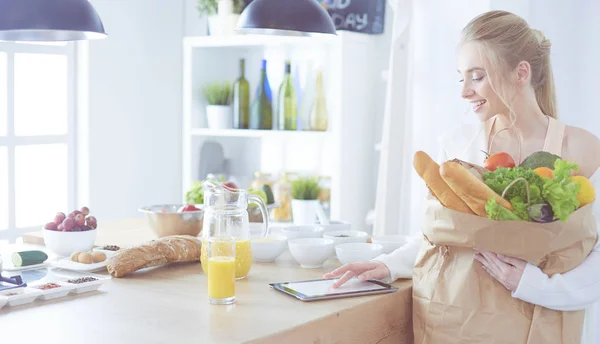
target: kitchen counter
169 305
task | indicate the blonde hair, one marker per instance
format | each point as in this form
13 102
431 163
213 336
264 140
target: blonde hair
505 40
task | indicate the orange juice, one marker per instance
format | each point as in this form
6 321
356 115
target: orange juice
243 258
221 277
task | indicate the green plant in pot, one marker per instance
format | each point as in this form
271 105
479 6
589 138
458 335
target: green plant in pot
305 201
223 15
218 109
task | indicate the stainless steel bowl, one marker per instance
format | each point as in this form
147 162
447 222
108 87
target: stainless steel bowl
165 220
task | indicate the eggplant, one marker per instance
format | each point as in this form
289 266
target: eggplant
541 213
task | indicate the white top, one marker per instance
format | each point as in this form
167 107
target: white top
574 290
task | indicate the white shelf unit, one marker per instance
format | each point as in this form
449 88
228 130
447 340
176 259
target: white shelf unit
343 152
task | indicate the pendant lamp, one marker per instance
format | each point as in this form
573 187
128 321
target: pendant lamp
286 18
49 20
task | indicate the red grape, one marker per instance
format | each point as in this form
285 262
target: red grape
91 221
76 228
68 224
84 228
51 226
80 219
85 211
75 212
59 218
61 228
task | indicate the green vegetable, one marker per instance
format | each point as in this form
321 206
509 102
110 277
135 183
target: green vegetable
257 192
520 208
541 213
269 192
539 159
561 192
196 194
497 212
306 189
502 177
26 258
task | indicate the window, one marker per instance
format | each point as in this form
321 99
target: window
37 138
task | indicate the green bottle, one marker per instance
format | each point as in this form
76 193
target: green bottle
241 100
261 113
287 111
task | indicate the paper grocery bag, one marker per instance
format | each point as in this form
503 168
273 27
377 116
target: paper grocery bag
456 301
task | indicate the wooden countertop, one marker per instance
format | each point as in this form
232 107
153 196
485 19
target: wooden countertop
169 305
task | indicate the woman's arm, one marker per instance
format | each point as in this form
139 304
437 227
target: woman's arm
401 262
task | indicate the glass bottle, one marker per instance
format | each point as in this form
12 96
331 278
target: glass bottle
261 113
283 196
287 106
318 114
241 100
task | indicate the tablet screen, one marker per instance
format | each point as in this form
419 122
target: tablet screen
325 287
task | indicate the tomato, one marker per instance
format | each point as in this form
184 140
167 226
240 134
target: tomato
188 207
498 160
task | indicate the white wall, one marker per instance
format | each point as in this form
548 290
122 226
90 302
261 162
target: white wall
135 107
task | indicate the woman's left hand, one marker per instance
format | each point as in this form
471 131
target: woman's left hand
506 270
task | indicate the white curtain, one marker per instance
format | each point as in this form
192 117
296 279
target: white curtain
423 90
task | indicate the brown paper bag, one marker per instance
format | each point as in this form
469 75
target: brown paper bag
456 301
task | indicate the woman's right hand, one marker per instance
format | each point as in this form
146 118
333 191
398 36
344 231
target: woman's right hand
363 270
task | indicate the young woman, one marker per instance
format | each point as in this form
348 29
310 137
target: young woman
506 76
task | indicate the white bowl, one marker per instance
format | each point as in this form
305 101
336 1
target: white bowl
390 242
357 252
336 226
266 250
311 253
344 237
298 232
65 243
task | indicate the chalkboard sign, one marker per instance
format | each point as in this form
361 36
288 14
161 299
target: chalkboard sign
365 16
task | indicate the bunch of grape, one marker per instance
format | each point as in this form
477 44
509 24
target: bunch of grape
76 221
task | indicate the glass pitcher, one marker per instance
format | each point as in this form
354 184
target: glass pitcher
226 214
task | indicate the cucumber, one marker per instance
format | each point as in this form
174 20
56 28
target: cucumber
26 258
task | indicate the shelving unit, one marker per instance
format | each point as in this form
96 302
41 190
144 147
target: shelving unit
342 152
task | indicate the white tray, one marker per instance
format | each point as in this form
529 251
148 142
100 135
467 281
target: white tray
3 301
25 296
54 293
68 264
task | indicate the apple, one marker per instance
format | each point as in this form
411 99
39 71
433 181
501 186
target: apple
189 207
230 185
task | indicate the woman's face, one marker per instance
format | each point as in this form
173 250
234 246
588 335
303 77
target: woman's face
476 87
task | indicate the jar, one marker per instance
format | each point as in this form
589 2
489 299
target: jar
283 196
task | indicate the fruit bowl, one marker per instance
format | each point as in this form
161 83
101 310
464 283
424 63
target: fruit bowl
65 243
167 219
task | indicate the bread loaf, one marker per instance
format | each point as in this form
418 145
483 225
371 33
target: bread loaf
170 249
429 171
469 188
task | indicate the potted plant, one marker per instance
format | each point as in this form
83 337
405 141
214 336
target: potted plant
223 15
305 202
219 110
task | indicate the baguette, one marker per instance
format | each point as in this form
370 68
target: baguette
473 191
429 171
170 249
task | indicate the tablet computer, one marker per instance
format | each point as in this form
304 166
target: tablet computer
322 289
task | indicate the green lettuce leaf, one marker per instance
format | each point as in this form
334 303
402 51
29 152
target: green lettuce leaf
502 177
561 192
497 212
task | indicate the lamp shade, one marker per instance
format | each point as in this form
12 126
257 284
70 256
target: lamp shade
285 17
49 20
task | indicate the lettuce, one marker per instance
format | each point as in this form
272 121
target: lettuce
561 192
502 177
497 212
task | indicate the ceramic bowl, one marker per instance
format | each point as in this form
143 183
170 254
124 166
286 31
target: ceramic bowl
266 250
343 237
357 252
65 243
311 252
297 232
165 220
336 226
390 242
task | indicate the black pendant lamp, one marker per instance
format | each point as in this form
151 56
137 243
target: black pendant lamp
49 20
286 18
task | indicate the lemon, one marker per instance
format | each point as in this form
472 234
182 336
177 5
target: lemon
586 194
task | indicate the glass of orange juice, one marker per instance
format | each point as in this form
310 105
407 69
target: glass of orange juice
221 270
